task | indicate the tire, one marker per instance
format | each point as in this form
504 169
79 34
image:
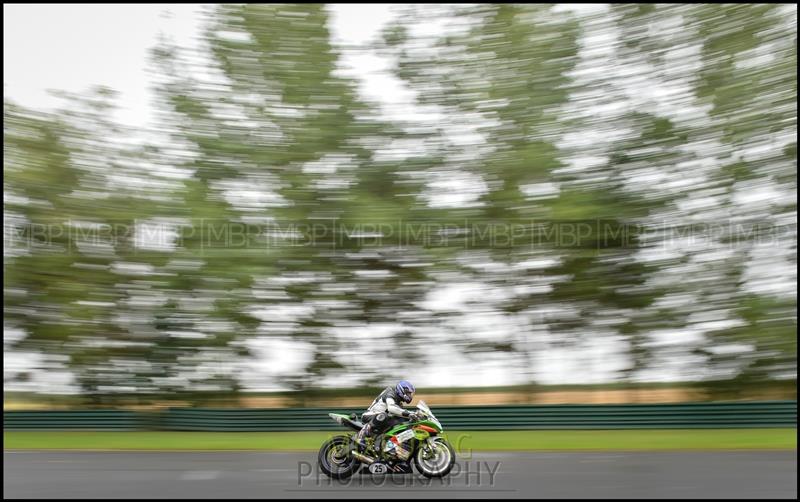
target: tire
332 463
441 465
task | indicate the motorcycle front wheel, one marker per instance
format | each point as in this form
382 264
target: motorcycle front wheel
436 460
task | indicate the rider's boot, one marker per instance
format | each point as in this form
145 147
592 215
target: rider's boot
361 438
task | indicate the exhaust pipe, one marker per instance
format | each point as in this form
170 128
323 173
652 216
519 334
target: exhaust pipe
363 458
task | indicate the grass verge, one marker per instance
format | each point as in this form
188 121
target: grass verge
524 440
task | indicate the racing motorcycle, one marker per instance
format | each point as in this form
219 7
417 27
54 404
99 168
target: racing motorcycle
418 441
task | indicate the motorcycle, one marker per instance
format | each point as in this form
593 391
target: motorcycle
419 441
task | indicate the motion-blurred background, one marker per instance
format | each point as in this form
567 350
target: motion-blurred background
279 205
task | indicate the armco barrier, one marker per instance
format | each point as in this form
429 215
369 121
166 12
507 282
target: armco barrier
596 416
111 420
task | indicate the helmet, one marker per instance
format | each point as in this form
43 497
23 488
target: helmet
405 390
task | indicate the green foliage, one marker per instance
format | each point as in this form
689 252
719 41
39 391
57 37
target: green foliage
567 147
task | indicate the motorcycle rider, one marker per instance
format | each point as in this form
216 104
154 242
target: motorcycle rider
386 411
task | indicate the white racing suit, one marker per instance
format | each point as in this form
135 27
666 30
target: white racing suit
384 412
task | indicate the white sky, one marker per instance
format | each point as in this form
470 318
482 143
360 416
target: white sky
73 47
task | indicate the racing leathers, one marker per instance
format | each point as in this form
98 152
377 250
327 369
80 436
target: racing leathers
384 412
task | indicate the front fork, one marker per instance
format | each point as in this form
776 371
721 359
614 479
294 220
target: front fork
429 447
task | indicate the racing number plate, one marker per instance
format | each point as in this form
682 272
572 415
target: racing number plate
378 468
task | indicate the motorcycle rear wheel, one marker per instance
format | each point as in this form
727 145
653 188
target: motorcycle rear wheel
334 458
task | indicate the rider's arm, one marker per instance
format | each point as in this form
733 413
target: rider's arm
393 409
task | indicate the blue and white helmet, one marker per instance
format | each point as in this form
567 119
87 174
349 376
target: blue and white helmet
405 391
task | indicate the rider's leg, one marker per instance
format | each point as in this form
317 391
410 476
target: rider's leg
366 430
361 436
374 428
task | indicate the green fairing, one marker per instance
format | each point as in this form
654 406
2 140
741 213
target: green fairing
401 427
397 429
432 425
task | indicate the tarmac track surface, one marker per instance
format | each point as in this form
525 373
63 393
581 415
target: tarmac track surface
193 475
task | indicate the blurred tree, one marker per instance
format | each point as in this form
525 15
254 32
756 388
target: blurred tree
66 287
621 177
749 80
285 128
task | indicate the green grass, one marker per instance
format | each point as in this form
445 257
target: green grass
655 439
682 439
